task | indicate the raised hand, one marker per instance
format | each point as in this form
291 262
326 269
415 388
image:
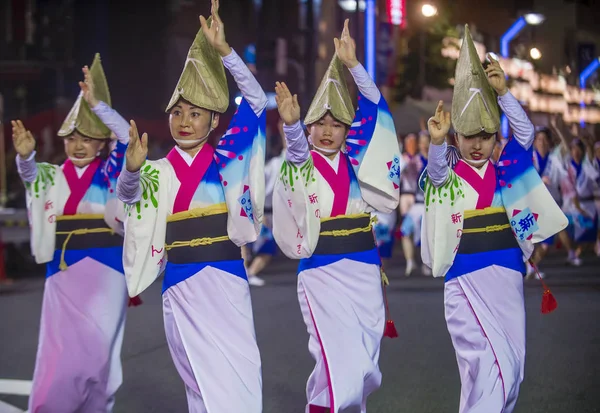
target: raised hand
439 125
215 33
137 150
553 121
23 140
496 76
289 109
422 123
345 47
87 87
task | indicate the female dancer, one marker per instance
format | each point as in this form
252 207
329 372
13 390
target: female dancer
321 216
190 213
480 219
76 228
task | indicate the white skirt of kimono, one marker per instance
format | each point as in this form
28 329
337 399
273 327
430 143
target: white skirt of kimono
78 363
342 306
485 315
210 331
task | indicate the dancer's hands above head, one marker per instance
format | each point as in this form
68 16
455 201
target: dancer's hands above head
496 76
287 105
23 140
87 87
215 33
137 150
345 47
439 125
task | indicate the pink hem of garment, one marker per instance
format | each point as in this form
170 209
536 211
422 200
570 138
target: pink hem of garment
331 400
491 346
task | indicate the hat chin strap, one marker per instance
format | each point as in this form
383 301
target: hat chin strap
324 150
479 162
73 159
190 143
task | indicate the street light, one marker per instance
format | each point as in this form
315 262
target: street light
534 19
350 5
505 40
535 53
429 10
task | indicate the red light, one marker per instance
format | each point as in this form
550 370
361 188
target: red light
396 10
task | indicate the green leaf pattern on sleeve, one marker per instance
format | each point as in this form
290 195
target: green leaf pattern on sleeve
149 182
291 173
43 180
453 187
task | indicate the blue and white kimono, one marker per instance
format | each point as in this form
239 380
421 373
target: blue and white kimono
76 225
479 223
189 216
321 216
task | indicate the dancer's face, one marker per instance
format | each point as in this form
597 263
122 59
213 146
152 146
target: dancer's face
82 150
576 153
542 143
328 133
191 123
476 148
410 144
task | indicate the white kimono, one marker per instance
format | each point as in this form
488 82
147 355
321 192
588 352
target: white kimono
554 175
78 363
206 299
340 295
583 180
595 162
265 244
478 225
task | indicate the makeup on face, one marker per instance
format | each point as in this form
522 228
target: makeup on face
477 149
327 135
82 150
190 125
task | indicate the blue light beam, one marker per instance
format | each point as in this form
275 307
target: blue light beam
370 37
588 71
510 34
505 40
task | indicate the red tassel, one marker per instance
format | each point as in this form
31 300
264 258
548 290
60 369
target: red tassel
549 303
398 234
390 329
135 301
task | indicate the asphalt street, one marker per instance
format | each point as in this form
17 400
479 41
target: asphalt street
419 368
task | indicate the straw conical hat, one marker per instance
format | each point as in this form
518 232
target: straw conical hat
81 118
474 105
202 82
332 96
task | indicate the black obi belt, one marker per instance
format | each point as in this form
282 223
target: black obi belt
85 231
486 230
195 236
345 234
